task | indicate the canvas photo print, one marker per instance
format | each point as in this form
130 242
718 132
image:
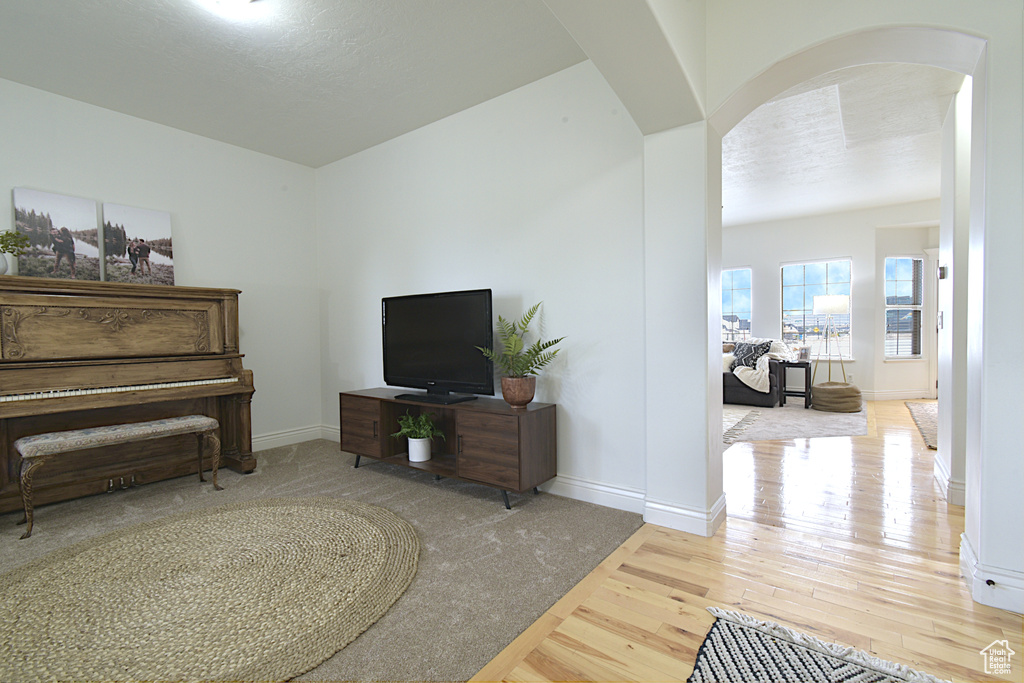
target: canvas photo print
137 245
62 234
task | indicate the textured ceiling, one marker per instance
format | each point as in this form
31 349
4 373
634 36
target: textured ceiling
313 81
859 137
310 81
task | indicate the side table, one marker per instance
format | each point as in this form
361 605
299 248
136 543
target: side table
806 391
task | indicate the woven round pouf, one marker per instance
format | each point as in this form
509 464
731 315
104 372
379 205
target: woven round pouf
836 397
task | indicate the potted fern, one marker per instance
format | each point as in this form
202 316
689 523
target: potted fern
519 363
419 429
13 243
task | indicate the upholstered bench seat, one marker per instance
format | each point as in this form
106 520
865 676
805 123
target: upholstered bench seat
37 449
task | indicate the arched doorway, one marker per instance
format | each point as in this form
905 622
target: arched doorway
949 50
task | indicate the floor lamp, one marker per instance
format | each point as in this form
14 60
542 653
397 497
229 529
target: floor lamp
831 305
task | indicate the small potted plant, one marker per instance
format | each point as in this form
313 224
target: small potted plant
519 363
419 429
13 243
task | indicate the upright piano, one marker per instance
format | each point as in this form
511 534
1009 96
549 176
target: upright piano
87 354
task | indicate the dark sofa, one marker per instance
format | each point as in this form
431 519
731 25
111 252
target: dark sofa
735 391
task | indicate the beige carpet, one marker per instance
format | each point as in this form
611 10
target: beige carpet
793 421
485 573
735 421
200 596
926 417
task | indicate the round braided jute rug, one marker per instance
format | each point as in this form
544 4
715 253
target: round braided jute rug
262 590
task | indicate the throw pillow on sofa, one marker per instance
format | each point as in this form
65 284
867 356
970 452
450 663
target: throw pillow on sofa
747 354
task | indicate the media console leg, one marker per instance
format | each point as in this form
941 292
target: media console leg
535 490
357 461
504 495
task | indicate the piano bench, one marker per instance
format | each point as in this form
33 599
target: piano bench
36 450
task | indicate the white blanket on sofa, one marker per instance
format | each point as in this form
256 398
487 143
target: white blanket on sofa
758 377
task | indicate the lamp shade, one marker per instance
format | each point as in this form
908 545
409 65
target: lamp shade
832 304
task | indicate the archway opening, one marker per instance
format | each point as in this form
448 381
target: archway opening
947 50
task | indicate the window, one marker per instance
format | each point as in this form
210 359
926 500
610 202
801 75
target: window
904 281
736 304
800 284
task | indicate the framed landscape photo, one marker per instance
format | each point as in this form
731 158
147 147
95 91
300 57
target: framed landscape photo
62 234
138 245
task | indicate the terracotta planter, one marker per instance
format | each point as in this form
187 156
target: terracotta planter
518 391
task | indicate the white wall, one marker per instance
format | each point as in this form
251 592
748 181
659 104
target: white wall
771 32
537 195
239 220
951 455
684 478
865 237
684 25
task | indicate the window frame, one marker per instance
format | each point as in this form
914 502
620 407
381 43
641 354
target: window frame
917 292
845 343
732 310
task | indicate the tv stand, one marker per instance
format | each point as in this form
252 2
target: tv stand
436 397
486 441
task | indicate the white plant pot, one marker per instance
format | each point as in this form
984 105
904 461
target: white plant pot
419 450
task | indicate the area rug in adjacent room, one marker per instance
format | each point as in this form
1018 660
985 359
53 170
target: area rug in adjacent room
926 417
735 421
793 421
261 590
740 648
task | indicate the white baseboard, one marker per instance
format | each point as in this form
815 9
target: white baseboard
288 437
1007 588
662 513
630 500
690 520
955 491
671 515
894 395
620 498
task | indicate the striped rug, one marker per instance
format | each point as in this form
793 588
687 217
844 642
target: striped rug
740 648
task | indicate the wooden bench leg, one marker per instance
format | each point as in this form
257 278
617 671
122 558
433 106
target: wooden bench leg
27 468
214 445
199 443
215 457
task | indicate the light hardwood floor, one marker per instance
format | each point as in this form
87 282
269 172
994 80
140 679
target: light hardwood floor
844 538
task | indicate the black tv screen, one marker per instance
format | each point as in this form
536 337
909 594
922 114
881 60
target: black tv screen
430 343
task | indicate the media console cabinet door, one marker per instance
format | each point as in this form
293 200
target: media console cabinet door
361 425
488 450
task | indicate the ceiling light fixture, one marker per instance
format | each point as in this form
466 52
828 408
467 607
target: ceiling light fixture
239 10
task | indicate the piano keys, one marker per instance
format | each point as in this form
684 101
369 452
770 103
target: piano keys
85 354
67 393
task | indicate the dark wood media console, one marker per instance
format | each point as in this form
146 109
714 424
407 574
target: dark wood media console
486 441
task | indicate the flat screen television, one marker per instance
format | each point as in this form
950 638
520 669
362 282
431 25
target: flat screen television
430 343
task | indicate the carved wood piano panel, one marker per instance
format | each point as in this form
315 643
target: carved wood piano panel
86 354
43 327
